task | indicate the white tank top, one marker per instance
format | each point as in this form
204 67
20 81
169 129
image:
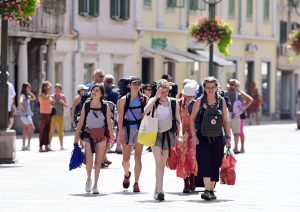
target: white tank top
162 112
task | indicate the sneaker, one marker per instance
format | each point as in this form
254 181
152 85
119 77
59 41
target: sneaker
126 181
155 195
136 187
41 150
28 147
206 195
88 186
212 194
24 148
95 190
161 196
62 148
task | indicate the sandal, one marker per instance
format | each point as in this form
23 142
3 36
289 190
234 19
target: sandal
136 187
126 181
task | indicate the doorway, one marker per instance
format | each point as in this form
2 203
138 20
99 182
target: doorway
147 70
286 95
265 87
249 74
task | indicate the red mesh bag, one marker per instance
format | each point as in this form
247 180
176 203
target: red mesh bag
172 159
228 175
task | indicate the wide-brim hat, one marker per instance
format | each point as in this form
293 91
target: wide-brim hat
190 88
82 87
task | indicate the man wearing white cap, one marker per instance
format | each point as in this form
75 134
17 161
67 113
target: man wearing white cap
76 106
187 164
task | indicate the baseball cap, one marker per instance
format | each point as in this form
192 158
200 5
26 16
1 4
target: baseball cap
135 79
109 78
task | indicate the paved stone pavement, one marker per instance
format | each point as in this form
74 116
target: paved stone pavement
268 179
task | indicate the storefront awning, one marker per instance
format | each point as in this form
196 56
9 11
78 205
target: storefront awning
195 57
169 55
217 59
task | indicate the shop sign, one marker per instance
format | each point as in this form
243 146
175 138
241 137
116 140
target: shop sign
91 47
159 43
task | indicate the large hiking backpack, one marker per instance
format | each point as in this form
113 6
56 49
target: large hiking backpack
172 92
123 86
212 123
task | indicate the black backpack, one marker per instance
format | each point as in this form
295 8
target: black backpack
212 123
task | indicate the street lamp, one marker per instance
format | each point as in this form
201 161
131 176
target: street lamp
212 15
3 76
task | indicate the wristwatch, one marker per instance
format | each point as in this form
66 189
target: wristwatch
227 137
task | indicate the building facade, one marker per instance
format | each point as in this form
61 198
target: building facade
67 40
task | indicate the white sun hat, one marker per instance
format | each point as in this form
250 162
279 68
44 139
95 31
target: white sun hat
190 88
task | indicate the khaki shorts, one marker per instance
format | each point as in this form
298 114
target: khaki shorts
235 124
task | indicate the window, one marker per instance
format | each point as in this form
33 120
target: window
266 10
148 3
175 3
89 8
283 32
88 70
119 9
55 7
249 9
231 8
197 5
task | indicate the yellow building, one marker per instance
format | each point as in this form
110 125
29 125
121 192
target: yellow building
164 46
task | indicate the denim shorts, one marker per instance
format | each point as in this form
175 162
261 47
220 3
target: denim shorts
26 119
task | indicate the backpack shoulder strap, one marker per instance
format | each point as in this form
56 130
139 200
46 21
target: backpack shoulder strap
87 108
202 101
143 101
127 102
173 107
104 111
220 103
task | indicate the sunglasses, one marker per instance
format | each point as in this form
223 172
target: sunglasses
101 76
136 83
148 89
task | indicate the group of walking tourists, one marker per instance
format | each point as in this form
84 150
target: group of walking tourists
197 126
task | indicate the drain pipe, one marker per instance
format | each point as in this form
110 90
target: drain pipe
77 50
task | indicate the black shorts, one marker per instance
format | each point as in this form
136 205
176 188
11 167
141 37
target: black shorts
11 114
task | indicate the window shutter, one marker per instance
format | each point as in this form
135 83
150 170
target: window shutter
82 7
249 9
114 9
180 3
231 8
193 4
171 3
125 9
283 31
94 8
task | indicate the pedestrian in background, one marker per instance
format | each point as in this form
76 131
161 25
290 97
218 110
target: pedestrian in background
254 109
94 117
147 90
247 103
168 128
130 113
187 166
26 114
45 116
11 104
59 102
209 153
98 77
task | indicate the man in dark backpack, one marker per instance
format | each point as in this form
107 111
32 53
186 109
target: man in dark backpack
130 113
213 119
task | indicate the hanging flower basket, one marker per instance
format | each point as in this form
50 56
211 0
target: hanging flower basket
209 31
294 43
17 9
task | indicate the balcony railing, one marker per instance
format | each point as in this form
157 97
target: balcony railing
49 18
282 49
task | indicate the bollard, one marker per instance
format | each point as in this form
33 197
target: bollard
298 118
7 146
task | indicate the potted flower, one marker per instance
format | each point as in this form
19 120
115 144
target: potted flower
208 31
294 43
17 9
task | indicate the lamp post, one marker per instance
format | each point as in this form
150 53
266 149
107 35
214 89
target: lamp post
212 15
3 76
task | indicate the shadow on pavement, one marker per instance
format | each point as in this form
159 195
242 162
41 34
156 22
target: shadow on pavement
88 195
8 167
156 201
125 192
183 194
209 202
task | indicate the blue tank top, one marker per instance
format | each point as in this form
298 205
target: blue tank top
134 114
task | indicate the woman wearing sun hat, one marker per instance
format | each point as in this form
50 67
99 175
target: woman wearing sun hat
187 166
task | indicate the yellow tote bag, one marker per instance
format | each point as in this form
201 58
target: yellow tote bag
148 131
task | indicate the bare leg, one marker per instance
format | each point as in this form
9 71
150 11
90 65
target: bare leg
31 130
89 160
126 158
100 149
160 157
25 134
138 161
